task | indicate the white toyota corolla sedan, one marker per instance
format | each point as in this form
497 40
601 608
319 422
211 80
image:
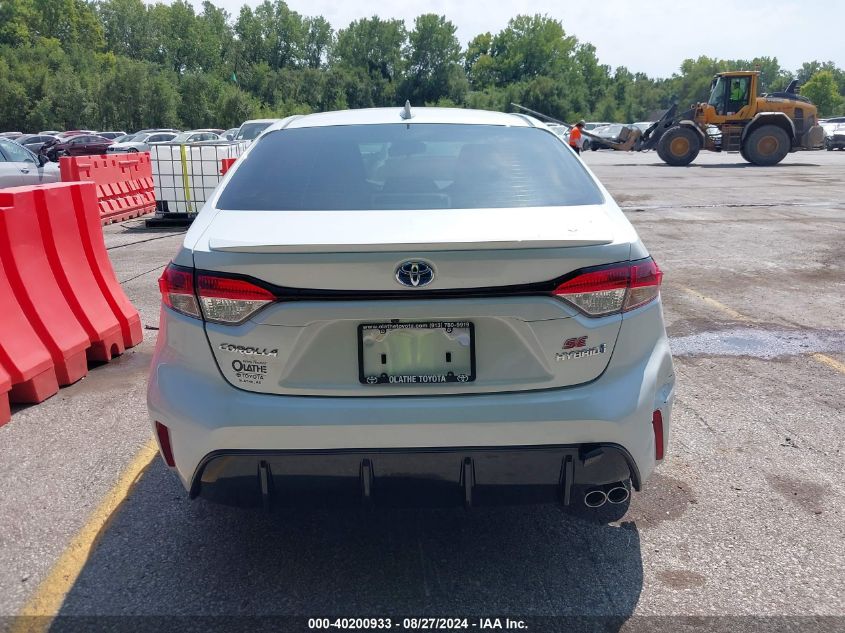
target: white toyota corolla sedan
411 303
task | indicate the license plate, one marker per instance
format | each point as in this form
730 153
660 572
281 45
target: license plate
427 353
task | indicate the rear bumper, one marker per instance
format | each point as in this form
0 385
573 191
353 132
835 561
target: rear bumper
426 476
214 425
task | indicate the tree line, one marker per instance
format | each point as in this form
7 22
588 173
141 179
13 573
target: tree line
123 64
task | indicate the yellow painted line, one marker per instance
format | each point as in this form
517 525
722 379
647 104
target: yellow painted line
37 614
718 305
830 362
818 357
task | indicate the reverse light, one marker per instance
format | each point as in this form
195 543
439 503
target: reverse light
613 289
230 301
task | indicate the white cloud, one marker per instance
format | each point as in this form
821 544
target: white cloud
651 36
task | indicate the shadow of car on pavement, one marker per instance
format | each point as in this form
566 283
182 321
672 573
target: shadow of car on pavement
163 555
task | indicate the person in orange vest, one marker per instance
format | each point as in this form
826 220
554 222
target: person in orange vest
576 141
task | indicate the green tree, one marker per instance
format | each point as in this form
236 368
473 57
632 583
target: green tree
532 46
126 27
176 26
478 62
13 100
73 22
371 49
214 36
319 38
198 96
596 76
822 90
234 106
18 22
433 55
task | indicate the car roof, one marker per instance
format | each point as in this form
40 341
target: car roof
370 116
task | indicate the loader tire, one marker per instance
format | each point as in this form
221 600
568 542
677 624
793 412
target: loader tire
678 146
766 146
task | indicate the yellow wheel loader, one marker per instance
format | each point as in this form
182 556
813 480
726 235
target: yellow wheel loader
762 128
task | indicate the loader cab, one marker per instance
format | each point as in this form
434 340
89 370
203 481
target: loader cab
732 92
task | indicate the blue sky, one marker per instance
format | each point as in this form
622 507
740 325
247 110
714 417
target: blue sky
651 36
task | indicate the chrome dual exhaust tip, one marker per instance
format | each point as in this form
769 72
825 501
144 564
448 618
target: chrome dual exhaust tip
617 493
595 498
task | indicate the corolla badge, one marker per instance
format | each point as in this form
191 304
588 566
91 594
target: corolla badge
414 274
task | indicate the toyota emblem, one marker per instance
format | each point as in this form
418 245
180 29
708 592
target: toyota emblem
414 274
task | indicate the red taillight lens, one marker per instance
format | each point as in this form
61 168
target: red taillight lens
163 434
230 301
177 290
646 278
613 289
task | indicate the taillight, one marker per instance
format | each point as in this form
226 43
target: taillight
613 289
177 290
230 301
214 298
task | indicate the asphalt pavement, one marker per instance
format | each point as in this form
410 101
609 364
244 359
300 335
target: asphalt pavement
746 517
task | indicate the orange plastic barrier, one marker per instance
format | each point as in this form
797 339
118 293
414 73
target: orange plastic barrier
62 304
69 262
124 182
33 281
226 165
100 266
5 387
22 354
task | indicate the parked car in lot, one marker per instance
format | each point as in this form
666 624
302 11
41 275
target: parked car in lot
50 133
20 167
140 142
69 133
828 125
78 145
714 132
11 135
194 136
230 134
34 142
420 301
610 132
250 130
111 135
643 125
836 138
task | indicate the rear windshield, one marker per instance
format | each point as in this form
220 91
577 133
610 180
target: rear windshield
399 166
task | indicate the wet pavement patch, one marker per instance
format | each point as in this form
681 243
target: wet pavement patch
807 495
758 343
662 499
